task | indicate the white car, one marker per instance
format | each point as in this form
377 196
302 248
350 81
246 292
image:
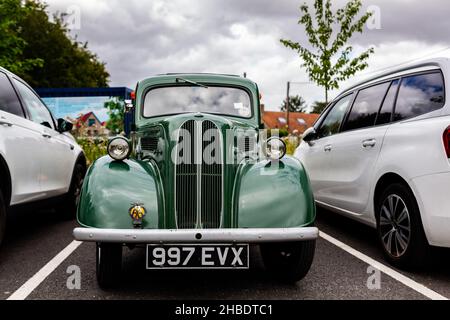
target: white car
39 159
380 154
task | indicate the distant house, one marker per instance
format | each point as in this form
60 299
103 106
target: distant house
298 121
88 125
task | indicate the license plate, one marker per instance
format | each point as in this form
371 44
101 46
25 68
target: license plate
196 256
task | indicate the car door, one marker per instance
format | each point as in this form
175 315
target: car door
317 154
356 149
56 168
21 144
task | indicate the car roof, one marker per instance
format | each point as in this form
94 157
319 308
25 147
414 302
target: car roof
200 77
6 71
198 73
428 64
11 74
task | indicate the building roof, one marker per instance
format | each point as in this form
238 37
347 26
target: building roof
83 118
297 120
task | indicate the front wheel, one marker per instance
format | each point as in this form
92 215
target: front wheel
289 262
69 207
400 229
2 218
109 264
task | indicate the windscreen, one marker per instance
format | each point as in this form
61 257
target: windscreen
186 99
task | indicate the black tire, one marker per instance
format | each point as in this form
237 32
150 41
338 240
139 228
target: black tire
68 208
108 264
289 261
406 249
2 217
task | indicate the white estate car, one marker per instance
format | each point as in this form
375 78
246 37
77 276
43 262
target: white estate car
380 154
39 159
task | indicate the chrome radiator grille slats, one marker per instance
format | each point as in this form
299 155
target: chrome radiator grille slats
149 143
211 176
198 200
186 179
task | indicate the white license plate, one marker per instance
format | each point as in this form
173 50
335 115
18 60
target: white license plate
197 256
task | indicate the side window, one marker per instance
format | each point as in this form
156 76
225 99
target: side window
333 119
38 111
366 106
9 102
386 109
419 94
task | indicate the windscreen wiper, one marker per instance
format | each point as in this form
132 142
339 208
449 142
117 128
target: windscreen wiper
191 82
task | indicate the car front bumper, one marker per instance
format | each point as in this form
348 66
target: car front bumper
196 235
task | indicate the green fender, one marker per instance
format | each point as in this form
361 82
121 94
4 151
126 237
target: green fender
273 195
111 187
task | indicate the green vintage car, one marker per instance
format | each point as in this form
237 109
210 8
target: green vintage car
197 183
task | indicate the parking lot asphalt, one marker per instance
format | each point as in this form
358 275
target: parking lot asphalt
35 238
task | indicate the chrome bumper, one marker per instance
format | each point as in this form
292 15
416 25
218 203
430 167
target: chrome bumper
196 236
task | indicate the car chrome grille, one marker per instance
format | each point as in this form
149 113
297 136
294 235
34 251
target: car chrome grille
211 176
149 143
186 179
198 187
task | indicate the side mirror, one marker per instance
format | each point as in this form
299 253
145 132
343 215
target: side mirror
309 135
129 106
64 126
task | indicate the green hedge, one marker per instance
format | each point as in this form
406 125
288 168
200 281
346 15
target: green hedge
93 148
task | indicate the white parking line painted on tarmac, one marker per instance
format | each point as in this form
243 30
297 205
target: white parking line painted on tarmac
420 288
28 287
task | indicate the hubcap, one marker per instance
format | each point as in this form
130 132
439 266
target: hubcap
395 225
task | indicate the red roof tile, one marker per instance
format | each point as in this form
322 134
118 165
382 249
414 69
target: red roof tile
297 121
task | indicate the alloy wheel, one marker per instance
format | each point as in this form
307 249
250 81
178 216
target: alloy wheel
395 225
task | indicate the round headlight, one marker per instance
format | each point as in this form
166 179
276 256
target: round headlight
119 148
275 148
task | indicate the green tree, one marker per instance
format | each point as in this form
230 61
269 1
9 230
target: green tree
318 107
116 113
12 45
66 62
320 62
296 104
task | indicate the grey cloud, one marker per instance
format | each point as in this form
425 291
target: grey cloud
140 38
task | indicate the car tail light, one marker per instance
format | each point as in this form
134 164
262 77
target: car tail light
447 141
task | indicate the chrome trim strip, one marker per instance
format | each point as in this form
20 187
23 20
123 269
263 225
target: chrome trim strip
198 146
222 164
259 235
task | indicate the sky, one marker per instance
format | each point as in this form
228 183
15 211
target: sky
140 38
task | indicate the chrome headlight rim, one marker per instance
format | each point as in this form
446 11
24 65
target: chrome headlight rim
123 156
268 150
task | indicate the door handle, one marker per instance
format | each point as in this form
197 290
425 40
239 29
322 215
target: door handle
327 148
369 143
46 135
4 122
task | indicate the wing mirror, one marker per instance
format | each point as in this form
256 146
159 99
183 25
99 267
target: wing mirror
309 135
64 126
129 106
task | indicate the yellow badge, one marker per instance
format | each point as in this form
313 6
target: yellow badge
137 212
